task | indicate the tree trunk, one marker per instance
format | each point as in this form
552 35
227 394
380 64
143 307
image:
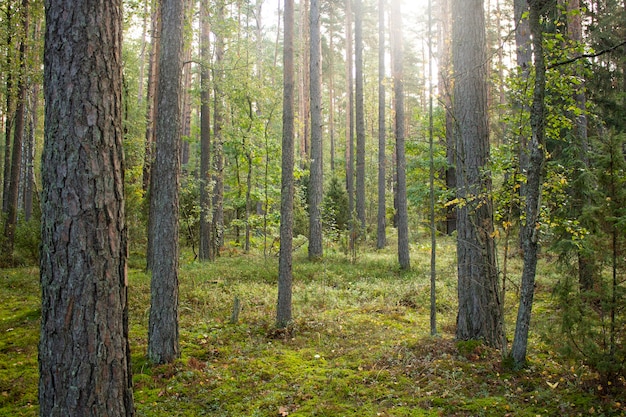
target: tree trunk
480 315
316 192
283 310
398 88
206 249
18 137
84 355
217 227
586 265
151 104
530 227
445 97
331 86
163 325
349 121
360 115
6 171
381 236
29 159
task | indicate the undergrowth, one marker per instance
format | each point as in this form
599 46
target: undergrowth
359 345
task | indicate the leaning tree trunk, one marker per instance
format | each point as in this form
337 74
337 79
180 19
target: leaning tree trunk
84 355
480 315
530 228
163 344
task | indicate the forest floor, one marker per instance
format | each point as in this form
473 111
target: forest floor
359 345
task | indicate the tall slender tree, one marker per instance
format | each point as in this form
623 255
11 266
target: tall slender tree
359 113
18 137
381 235
285 275
349 117
398 90
206 251
316 191
536 149
480 315
163 332
84 355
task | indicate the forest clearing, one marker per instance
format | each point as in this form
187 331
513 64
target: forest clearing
359 345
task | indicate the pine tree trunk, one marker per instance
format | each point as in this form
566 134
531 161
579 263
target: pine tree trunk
84 355
479 316
6 170
206 249
18 138
283 309
381 236
530 228
316 191
217 227
398 88
360 115
163 335
349 120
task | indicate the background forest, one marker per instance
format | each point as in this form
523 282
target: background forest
455 164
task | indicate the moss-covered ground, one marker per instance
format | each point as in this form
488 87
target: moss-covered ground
359 345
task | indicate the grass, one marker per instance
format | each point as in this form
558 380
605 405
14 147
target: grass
359 345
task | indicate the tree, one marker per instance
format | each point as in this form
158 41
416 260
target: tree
398 90
381 237
316 191
206 248
12 197
480 315
360 114
84 357
285 276
530 229
163 324
349 119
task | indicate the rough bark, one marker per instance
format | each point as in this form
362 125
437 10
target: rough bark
217 225
6 169
84 357
381 236
163 322
316 191
479 315
359 114
398 89
206 249
530 239
285 276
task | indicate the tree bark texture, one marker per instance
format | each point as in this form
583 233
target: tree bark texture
285 275
398 89
217 225
530 229
163 323
84 357
479 315
316 192
206 249
359 114
381 236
